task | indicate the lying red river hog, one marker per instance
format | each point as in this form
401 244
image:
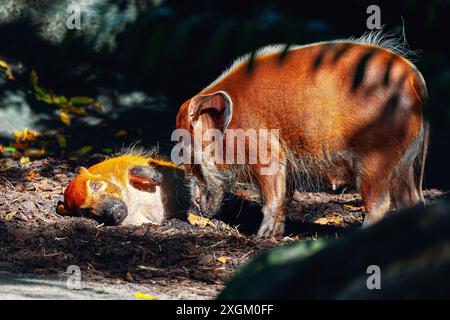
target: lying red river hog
351 108
130 189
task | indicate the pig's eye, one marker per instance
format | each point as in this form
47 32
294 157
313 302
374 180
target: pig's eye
95 186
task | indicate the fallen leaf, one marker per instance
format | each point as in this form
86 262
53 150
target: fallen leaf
140 295
352 208
332 220
229 230
24 160
6 163
31 175
199 221
9 216
26 135
222 259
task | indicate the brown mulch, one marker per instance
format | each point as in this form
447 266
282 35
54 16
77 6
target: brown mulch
33 238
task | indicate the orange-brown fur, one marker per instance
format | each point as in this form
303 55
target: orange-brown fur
334 103
143 207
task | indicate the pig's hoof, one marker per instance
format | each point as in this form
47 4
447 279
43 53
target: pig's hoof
272 229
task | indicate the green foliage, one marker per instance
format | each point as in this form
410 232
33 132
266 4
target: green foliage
269 269
74 105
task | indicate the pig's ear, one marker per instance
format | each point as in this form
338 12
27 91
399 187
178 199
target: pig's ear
82 170
213 110
61 209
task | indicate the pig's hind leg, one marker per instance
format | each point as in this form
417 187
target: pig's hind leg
403 191
376 171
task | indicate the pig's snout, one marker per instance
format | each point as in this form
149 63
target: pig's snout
111 211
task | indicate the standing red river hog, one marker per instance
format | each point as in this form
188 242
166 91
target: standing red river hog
342 108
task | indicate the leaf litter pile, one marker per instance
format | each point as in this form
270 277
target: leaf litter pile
192 258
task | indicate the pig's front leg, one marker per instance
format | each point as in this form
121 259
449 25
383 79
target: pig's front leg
273 191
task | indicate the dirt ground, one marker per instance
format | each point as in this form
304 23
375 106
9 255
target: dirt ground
174 260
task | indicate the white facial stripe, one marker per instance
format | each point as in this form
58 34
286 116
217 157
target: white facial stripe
114 181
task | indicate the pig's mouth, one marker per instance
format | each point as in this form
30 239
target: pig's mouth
142 184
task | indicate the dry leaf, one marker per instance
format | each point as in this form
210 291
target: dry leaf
24 160
31 175
199 221
352 208
26 135
9 216
140 295
332 220
222 259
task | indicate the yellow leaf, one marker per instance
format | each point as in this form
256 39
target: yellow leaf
140 295
9 216
199 221
352 208
24 160
26 135
331 220
65 118
7 69
222 260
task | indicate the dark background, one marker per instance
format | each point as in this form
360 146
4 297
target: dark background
170 50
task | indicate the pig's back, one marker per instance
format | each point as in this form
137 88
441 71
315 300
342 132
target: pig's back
325 92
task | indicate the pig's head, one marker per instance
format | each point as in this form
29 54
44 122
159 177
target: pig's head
198 115
206 197
107 196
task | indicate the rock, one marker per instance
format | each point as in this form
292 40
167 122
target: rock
410 249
